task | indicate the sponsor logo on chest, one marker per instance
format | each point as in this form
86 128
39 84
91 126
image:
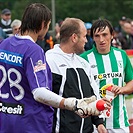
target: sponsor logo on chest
107 75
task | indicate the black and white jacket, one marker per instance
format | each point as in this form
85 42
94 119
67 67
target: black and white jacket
71 78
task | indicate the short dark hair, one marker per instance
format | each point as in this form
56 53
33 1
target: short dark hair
101 24
33 17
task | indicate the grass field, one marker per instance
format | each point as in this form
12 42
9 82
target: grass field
129 96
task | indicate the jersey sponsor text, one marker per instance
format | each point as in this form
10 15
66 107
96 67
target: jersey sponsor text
107 75
10 108
11 58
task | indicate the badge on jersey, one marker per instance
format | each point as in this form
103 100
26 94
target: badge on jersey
39 66
120 64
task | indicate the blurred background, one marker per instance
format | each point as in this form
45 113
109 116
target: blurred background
118 12
87 10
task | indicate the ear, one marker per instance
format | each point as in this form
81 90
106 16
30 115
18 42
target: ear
112 36
74 38
42 26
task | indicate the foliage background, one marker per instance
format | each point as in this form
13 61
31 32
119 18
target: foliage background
87 10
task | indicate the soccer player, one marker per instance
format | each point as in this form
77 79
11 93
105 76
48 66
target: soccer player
72 77
25 80
111 65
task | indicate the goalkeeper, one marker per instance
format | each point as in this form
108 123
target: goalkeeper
25 80
72 78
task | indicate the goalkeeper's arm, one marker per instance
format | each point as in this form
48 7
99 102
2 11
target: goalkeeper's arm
81 107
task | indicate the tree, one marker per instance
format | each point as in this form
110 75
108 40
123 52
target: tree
87 10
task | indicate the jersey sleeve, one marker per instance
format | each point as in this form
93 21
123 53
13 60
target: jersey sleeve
128 70
37 69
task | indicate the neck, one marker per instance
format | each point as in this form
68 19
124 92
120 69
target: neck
33 35
106 51
66 48
6 22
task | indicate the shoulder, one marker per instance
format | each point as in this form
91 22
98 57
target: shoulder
123 52
50 52
86 53
30 45
84 62
51 56
54 50
26 44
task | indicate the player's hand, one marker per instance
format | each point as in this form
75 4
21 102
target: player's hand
116 89
98 106
108 103
82 107
101 129
110 91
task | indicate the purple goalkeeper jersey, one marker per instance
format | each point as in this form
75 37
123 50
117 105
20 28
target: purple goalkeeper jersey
22 69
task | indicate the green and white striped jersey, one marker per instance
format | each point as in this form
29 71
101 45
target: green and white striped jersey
112 68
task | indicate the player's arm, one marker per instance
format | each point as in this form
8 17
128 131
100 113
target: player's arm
101 129
80 107
47 97
127 89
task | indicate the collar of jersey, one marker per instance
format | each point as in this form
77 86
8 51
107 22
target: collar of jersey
58 50
24 37
95 49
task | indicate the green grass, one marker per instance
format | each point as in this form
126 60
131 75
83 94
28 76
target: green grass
129 96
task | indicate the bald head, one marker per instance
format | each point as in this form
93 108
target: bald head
69 27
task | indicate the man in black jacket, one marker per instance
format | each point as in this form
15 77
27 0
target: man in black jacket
72 77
